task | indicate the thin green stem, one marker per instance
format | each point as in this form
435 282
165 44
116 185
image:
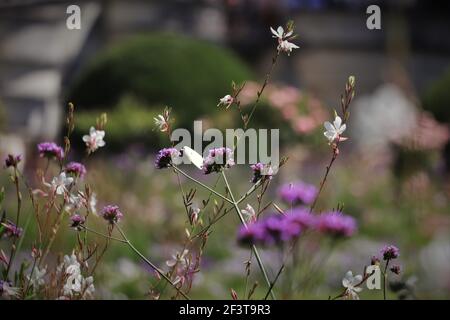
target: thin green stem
255 250
154 267
103 235
202 184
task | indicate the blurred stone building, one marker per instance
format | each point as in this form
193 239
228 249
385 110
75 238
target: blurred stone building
39 56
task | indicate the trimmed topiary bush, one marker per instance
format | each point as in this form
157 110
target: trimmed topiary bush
157 70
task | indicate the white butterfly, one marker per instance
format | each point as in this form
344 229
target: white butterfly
193 157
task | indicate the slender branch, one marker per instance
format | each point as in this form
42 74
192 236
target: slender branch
260 92
385 279
202 184
255 250
103 235
154 267
274 281
324 179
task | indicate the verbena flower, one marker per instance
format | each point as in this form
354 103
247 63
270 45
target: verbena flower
275 229
336 224
226 101
12 161
76 169
260 171
218 159
350 283
50 150
334 130
374 261
390 252
77 221
111 213
166 157
255 233
94 139
298 193
10 230
302 217
396 269
281 229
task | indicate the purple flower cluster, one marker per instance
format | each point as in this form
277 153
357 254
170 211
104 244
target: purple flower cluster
75 168
217 159
276 229
261 171
111 213
390 252
50 150
298 193
12 161
165 157
10 230
336 224
77 221
396 269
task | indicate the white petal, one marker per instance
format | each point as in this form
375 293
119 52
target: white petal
348 278
328 126
342 129
86 138
280 31
91 130
337 122
274 32
330 135
193 157
357 279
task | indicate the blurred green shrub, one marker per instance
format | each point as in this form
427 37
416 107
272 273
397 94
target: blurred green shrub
157 70
437 98
129 121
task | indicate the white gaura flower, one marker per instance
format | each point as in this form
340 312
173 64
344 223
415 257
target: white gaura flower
279 33
93 203
60 183
226 101
179 259
88 287
249 214
7 291
161 123
334 130
350 282
283 37
287 46
37 278
94 139
75 202
194 157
